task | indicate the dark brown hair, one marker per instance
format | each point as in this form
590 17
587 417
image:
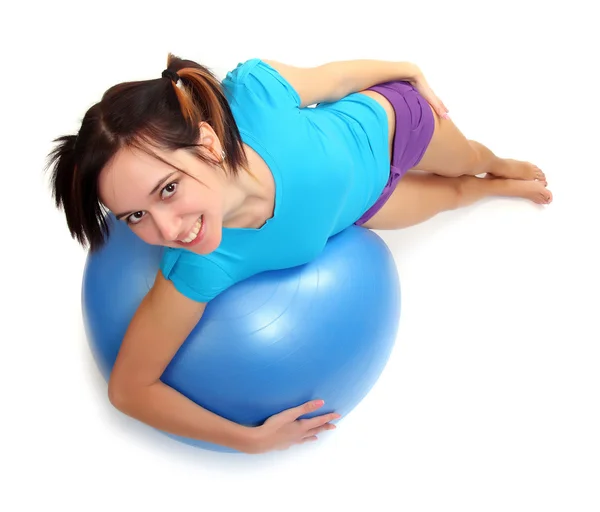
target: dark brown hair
142 115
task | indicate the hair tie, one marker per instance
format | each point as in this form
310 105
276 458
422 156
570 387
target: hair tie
171 75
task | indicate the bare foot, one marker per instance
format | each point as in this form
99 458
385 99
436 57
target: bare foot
535 191
518 170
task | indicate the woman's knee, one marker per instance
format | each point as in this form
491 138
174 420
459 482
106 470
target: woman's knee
467 163
460 186
475 158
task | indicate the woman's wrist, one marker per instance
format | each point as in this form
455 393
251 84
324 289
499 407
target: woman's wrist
247 439
409 71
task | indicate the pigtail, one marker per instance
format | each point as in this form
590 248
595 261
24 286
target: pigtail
201 98
86 222
210 98
61 162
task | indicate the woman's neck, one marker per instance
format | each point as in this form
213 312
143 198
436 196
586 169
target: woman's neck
249 197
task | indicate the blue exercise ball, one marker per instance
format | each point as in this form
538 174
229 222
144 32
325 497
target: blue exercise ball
274 341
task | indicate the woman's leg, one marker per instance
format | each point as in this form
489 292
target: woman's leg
420 196
449 153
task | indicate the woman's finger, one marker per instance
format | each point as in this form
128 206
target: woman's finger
308 439
438 106
317 421
443 108
427 92
320 429
295 412
443 113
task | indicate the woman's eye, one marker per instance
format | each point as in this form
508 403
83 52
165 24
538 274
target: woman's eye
165 193
134 218
169 190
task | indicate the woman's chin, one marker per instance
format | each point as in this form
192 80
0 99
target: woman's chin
210 241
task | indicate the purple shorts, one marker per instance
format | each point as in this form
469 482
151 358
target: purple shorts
414 129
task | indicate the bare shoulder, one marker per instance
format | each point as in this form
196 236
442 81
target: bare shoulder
157 330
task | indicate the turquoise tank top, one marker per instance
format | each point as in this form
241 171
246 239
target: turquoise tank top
330 163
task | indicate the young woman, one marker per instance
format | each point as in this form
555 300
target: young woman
241 176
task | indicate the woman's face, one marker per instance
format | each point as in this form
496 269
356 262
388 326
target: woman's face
164 206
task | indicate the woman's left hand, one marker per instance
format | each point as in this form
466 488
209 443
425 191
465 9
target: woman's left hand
421 85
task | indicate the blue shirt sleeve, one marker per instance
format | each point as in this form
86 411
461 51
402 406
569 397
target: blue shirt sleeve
264 83
194 275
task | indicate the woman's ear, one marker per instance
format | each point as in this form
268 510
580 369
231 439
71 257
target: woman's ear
210 141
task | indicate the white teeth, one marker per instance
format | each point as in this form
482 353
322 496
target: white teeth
194 232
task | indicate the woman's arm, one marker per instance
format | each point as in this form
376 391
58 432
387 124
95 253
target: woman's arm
358 75
158 329
335 80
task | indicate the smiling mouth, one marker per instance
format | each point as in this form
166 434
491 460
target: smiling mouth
193 234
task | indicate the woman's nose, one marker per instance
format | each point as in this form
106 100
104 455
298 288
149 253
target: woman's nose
168 226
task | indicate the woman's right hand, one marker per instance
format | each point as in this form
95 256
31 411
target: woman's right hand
422 86
284 429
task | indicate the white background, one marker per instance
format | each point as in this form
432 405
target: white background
490 401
